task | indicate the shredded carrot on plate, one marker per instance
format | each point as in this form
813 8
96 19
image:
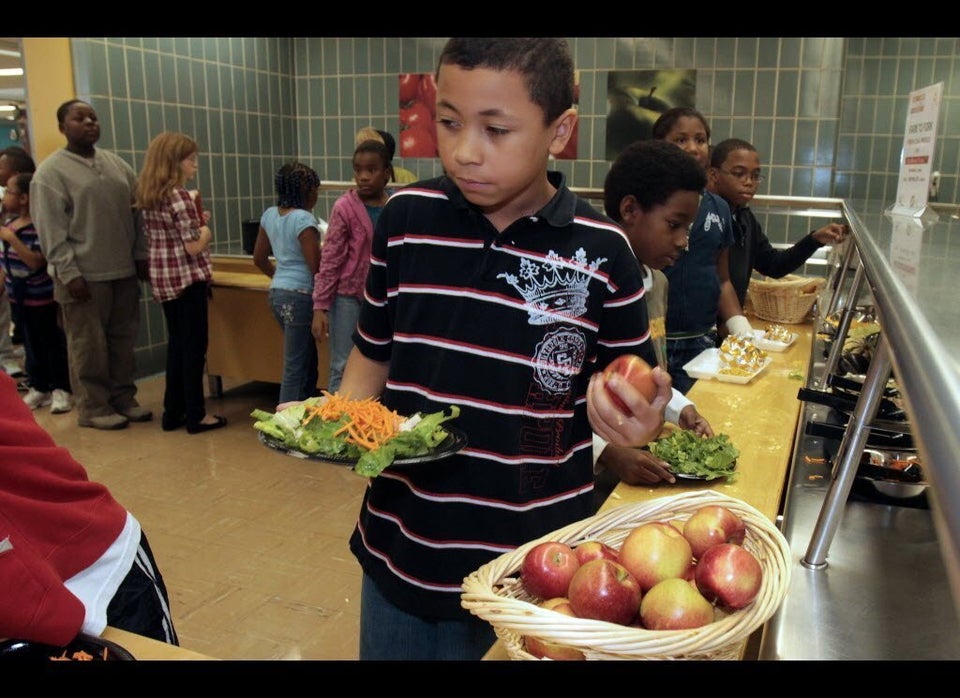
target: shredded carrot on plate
369 424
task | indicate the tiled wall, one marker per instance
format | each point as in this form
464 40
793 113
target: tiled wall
826 114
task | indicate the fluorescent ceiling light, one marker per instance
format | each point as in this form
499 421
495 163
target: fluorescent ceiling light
8 107
11 71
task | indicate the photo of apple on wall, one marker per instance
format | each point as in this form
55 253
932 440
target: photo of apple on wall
637 98
418 123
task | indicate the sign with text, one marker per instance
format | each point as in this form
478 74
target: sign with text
916 158
905 250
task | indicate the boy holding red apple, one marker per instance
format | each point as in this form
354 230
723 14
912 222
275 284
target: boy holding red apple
653 191
495 288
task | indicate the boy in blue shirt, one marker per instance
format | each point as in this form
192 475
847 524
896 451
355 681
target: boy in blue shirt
497 289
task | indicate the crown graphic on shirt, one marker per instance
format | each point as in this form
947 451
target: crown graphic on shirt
555 287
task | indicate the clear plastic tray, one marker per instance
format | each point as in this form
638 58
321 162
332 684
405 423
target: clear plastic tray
769 345
706 365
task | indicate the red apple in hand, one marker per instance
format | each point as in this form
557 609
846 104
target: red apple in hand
593 550
548 649
637 373
547 569
655 551
604 590
710 525
729 575
674 604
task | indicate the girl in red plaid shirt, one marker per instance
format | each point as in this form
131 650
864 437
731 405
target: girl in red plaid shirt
180 273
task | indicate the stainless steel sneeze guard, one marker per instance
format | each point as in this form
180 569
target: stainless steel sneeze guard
887 584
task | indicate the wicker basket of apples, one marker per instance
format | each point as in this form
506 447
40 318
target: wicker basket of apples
688 576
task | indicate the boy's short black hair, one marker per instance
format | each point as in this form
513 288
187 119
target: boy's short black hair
720 152
19 159
670 117
371 146
651 171
544 62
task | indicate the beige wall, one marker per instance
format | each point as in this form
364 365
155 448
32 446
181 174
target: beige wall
48 72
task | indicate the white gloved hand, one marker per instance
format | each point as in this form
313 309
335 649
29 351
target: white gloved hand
739 325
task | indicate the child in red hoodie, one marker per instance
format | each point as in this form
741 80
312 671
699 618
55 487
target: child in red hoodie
72 558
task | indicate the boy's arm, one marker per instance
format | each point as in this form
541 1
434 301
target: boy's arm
363 377
728 306
776 263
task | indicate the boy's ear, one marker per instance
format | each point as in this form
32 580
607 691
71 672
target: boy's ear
713 176
563 127
629 208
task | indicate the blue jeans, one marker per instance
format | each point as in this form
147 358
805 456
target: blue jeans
343 316
294 311
681 352
387 633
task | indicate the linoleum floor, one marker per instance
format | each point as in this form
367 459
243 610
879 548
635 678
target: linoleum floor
252 543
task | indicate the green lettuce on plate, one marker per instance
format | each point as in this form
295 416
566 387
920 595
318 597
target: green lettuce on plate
418 436
703 457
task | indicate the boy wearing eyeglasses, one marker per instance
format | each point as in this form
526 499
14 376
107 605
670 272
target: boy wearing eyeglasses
734 174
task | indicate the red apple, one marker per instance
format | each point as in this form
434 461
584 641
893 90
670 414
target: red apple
674 604
547 649
637 373
409 87
427 92
655 551
593 550
729 575
547 569
604 590
418 142
710 525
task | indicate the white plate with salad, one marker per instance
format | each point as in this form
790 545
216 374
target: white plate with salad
361 433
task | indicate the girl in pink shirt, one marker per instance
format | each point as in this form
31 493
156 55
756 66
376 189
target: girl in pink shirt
345 255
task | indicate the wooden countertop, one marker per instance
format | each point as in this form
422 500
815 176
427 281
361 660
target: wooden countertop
147 648
761 420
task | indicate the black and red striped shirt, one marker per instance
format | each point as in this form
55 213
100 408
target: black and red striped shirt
509 326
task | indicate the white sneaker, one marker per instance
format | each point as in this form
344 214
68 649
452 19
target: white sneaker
61 402
34 399
11 367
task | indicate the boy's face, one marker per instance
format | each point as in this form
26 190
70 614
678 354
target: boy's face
737 178
691 135
4 170
493 143
659 236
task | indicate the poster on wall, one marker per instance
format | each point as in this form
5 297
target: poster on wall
916 157
418 115
637 98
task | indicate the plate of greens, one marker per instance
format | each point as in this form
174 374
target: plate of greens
360 433
695 457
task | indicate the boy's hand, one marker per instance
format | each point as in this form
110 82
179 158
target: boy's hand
78 289
646 418
694 421
831 234
635 466
7 234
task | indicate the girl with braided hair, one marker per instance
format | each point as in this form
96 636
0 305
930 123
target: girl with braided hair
291 234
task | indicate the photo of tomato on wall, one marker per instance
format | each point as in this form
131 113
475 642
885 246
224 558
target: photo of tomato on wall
418 115
569 151
637 98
